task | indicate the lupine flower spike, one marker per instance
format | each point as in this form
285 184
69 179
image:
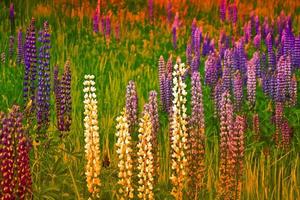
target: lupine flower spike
131 104
178 132
124 151
91 133
145 157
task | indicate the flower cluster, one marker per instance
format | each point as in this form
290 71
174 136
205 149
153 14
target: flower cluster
211 70
165 82
131 104
43 90
63 99
237 90
15 174
91 134
196 138
178 132
251 78
124 151
145 157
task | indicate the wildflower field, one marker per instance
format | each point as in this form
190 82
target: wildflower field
150 99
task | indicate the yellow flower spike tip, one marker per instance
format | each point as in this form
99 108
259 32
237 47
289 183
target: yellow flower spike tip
124 157
145 157
179 132
91 134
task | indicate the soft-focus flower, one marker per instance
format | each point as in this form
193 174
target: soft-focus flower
131 104
20 50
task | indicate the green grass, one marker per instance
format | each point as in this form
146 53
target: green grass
58 163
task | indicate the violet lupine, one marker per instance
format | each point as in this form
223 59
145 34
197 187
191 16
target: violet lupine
247 31
223 44
222 10
197 37
251 78
237 90
20 50
193 29
196 139
131 104
271 53
30 65
239 57
256 41
211 71
283 77
266 28
169 11
227 68
24 180
226 133
206 45
217 96
43 90
11 46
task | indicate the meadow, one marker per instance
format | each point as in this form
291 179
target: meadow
58 162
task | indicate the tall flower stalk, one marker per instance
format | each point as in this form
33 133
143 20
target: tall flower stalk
20 50
91 134
125 163
145 157
196 139
131 104
178 132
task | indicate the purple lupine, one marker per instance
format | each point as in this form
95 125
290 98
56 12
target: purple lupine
197 118
239 57
56 89
256 25
232 12
169 11
150 10
174 37
206 45
131 104
195 64
193 29
251 78
96 21
7 152
217 96
296 52
23 148
256 41
20 50
247 31
30 65
211 73
197 36
223 44
11 46
43 91
266 28
271 54
222 10
237 90
283 79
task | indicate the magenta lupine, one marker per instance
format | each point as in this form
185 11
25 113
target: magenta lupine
43 90
131 104
266 28
296 52
196 138
247 31
251 78
237 90
20 50
24 181
283 77
256 41
222 10
7 183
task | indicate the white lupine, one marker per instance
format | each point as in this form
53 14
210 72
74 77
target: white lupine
124 151
179 132
91 134
145 158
